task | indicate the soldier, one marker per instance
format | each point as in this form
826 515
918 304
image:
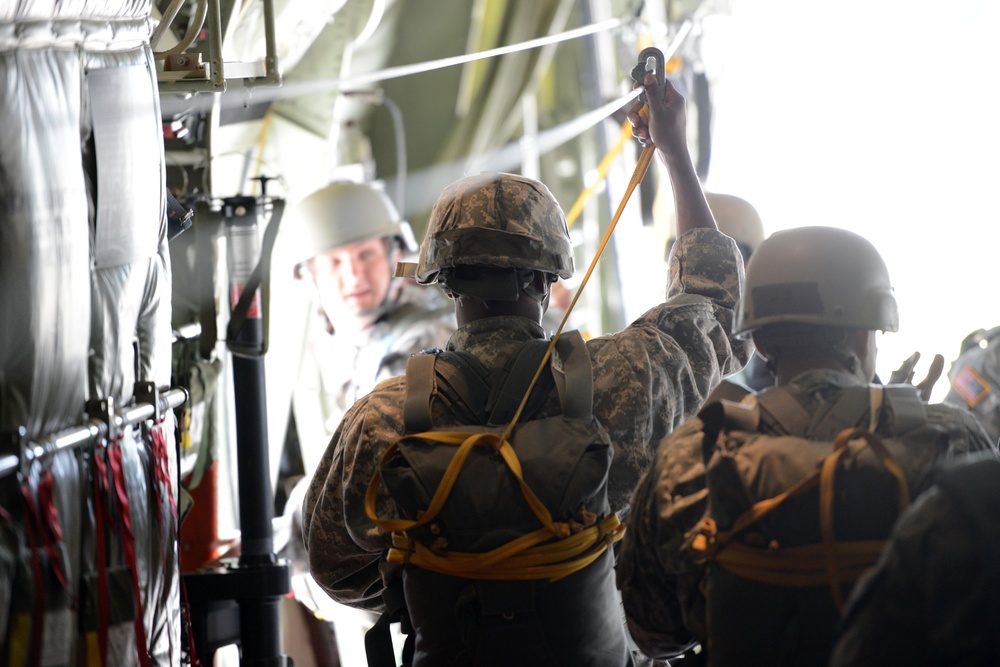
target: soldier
975 379
814 299
348 237
496 242
737 218
934 596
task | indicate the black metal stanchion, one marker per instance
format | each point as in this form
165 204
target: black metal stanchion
239 603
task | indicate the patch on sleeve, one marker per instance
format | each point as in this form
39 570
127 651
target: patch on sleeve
971 386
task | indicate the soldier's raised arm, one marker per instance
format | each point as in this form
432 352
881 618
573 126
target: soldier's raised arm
664 125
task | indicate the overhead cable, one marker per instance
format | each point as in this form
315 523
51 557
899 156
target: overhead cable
172 105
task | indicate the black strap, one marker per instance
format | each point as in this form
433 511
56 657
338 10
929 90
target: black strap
574 375
507 395
260 277
460 375
378 640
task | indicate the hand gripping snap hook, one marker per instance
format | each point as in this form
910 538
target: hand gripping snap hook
651 59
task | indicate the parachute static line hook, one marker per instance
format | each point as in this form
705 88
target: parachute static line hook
651 59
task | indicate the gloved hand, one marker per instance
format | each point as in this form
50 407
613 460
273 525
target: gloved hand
904 374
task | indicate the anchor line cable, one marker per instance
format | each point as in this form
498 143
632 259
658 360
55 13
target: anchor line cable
174 105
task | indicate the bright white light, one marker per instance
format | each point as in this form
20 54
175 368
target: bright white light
881 118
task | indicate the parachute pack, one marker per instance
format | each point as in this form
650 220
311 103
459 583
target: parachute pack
799 505
504 542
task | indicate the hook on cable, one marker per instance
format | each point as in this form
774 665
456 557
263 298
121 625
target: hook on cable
651 59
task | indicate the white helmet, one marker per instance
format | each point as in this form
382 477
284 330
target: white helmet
343 213
817 275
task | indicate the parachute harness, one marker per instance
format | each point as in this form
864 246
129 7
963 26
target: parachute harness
829 562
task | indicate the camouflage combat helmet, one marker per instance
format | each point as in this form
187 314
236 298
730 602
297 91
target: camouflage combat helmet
817 275
344 213
495 220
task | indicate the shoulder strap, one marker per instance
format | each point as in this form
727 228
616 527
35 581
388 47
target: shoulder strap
507 395
574 375
571 371
781 409
461 376
908 410
379 649
419 389
729 391
782 412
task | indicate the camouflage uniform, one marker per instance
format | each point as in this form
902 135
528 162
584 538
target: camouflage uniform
933 597
660 584
975 379
339 369
647 379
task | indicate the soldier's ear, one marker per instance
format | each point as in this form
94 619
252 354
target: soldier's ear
760 345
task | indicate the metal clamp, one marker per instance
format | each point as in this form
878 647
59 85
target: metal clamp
651 59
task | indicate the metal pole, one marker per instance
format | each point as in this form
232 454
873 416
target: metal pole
260 628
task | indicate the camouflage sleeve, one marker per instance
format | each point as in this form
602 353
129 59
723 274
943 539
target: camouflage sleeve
433 331
345 547
656 373
965 432
924 602
660 585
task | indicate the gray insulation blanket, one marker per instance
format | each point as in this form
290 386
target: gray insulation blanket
85 275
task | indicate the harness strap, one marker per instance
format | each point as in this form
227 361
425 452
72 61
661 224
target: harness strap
378 640
908 410
502 406
164 492
830 553
801 567
574 375
420 386
530 557
462 373
782 411
727 391
49 530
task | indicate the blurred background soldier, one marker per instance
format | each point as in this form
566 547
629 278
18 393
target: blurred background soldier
934 596
348 237
975 379
739 220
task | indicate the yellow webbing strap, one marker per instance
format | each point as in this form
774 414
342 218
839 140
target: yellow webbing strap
525 558
522 558
830 562
465 442
602 170
642 165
